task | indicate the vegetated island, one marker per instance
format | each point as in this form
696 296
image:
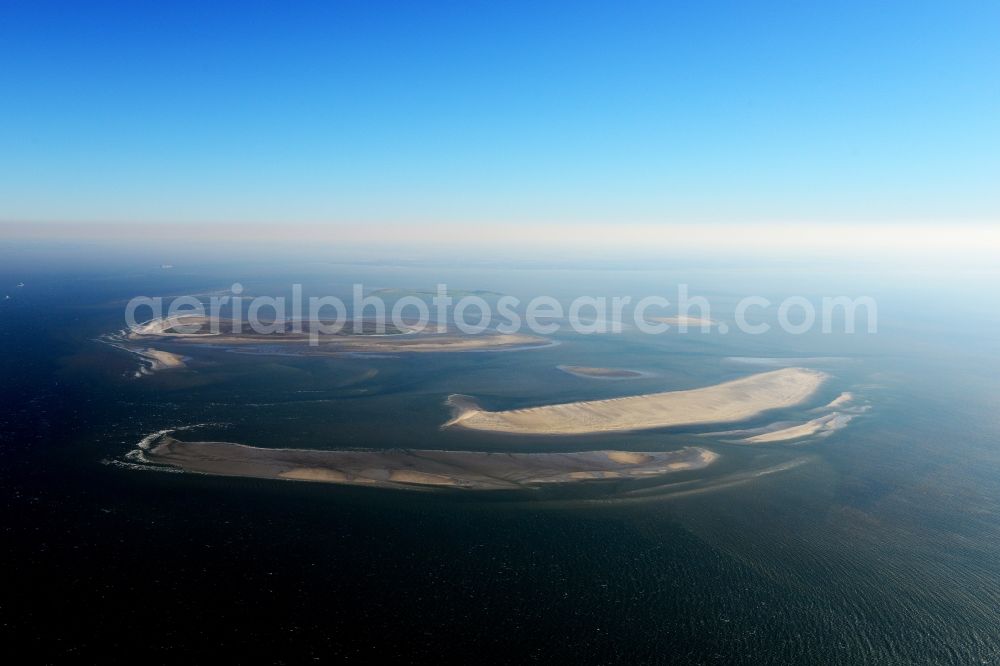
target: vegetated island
731 401
601 373
411 469
297 337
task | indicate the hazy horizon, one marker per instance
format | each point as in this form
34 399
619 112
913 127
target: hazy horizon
482 332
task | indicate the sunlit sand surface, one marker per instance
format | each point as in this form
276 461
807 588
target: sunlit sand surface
732 401
822 425
841 400
161 360
413 469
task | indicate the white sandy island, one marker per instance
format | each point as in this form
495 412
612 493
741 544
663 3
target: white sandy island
728 402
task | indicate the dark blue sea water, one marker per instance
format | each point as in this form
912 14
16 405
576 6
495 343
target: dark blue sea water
878 544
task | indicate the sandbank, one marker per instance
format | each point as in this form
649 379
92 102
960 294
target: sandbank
297 338
683 320
600 373
161 360
841 400
731 401
823 425
412 469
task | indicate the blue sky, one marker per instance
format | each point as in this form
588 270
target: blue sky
412 112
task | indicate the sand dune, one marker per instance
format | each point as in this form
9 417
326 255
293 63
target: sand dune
728 402
421 469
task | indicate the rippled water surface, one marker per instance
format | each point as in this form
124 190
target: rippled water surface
876 544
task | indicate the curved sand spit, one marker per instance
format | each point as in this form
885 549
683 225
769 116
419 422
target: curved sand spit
161 360
727 402
824 425
841 400
412 469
